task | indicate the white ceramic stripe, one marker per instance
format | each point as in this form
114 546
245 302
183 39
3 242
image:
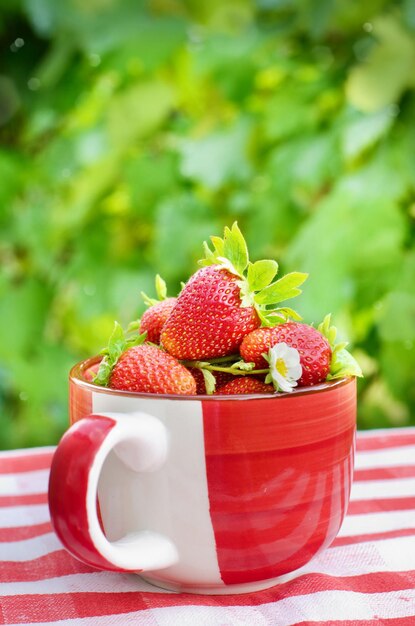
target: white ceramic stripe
173 500
24 483
388 457
380 489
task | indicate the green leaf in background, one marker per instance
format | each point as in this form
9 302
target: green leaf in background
138 111
364 131
218 158
131 132
388 69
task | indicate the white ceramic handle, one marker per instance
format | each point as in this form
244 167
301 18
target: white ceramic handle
140 441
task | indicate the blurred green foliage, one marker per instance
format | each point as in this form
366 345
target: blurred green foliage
130 131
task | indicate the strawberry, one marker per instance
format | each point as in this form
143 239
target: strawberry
153 320
314 349
148 369
208 320
244 385
130 364
225 300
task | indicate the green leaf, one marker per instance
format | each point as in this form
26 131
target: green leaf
147 300
283 289
388 69
137 111
217 158
117 344
365 131
343 364
288 313
210 381
161 288
133 326
235 248
219 245
261 273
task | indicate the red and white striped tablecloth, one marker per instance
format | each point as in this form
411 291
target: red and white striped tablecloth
367 576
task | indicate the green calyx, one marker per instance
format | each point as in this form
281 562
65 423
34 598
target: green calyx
161 291
118 343
256 280
342 362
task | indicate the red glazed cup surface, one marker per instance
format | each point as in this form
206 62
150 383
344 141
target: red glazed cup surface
203 493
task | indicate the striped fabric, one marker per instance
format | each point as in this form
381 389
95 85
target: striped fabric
367 576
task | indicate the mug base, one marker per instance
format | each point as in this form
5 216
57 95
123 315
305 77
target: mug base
213 590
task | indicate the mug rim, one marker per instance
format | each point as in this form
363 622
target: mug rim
76 372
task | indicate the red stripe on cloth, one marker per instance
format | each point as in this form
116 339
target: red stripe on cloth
25 463
358 507
24 532
384 621
383 473
48 607
392 439
59 563
30 498
387 534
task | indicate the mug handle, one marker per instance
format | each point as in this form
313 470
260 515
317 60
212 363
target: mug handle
140 441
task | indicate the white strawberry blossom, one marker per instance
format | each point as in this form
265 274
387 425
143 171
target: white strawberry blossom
284 366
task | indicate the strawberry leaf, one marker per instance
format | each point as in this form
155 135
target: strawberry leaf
147 300
282 289
210 381
255 284
210 257
261 273
117 344
288 313
342 362
219 245
235 248
161 291
161 288
133 326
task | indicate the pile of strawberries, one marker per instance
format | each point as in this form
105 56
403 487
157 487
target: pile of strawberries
225 333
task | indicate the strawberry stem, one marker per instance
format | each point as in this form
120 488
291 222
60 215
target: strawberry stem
234 369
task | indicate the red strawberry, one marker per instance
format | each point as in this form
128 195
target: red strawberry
220 377
314 349
208 320
149 369
155 317
244 385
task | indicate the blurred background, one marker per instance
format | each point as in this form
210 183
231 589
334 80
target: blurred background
130 131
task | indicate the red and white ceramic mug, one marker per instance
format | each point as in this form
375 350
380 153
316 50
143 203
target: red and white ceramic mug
201 493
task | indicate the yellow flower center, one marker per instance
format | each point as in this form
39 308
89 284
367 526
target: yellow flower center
281 367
